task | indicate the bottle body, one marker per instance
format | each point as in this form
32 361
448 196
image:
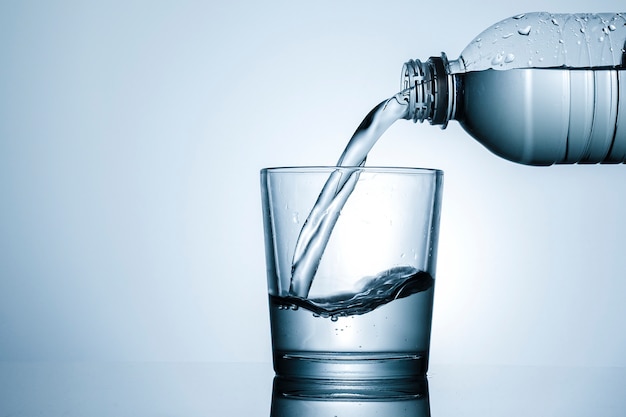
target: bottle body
547 116
536 89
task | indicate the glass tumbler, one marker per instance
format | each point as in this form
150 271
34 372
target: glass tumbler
351 256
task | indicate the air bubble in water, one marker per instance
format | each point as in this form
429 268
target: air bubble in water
524 31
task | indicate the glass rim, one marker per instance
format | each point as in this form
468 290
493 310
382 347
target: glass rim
307 169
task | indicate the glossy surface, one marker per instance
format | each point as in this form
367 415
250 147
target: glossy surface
245 389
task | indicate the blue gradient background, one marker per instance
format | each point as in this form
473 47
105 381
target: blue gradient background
131 135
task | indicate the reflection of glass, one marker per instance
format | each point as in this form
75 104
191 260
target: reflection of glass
347 398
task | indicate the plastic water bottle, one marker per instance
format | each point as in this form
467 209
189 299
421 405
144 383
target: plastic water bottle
537 88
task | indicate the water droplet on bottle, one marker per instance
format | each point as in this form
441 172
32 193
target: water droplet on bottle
612 28
519 16
334 318
509 58
294 307
508 35
554 22
582 30
402 255
601 39
295 217
497 60
561 41
524 31
605 30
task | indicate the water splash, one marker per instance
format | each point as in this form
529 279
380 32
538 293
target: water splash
395 283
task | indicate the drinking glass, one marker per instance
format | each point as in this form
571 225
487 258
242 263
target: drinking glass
351 255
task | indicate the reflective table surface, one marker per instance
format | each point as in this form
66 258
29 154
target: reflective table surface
250 389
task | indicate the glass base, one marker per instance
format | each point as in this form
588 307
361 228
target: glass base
350 366
401 389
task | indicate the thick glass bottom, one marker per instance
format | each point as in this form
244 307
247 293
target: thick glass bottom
350 366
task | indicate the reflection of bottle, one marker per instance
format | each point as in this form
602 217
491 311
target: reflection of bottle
537 88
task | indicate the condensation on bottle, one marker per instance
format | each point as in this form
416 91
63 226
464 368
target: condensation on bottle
537 88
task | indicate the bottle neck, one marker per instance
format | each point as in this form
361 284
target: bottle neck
430 89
